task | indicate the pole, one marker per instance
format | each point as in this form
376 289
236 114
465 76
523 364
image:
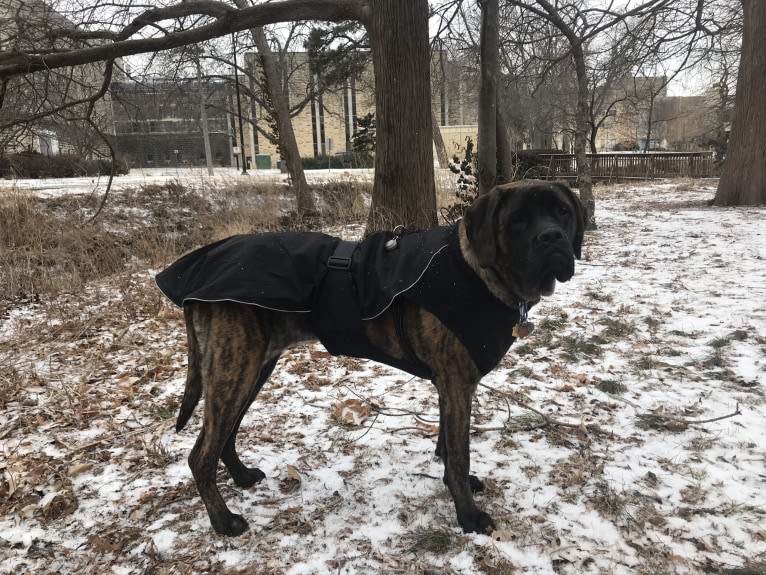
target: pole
239 108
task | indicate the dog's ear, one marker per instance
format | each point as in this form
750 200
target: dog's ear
579 218
480 221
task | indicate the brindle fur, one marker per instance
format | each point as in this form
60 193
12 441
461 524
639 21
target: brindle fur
233 349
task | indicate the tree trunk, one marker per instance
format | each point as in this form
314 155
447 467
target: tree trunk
203 120
593 136
584 181
441 149
288 145
403 192
743 180
649 124
487 140
505 167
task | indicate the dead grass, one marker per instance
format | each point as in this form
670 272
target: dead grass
50 246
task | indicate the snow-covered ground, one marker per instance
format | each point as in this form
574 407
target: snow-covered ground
626 435
187 176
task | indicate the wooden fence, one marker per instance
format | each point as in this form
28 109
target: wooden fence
622 166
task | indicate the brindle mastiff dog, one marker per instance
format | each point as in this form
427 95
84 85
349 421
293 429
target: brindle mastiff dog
518 240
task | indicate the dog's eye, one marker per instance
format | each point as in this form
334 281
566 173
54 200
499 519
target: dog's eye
562 210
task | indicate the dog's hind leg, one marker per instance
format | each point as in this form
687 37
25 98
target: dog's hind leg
232 349
245 476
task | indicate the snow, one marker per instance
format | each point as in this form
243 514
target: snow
666 283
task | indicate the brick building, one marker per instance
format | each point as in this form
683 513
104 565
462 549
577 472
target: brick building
158 123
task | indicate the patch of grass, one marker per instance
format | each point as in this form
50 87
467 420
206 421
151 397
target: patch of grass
495 566
653 322
552 323
436 541
644 363
719 342
523 349
598 296
157 454
524 422
607 500
522 372
679 333
11 384
738 335
616 328
701 443
715 360
612 386
576 347
694 493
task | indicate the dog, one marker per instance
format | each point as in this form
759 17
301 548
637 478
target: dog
445 304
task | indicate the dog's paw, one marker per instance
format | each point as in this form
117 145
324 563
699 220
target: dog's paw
477 485
247 476
477 522
232 525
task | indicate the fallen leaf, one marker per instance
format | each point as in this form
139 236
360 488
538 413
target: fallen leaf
78 469
351 412
292 473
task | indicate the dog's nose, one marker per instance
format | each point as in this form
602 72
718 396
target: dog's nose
550 235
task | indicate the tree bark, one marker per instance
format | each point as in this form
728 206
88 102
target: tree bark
403 192
743 179
487 139
203 121
441 149
584 181
505 167
288 145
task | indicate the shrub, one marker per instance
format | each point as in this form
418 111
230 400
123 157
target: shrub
34 165
338 161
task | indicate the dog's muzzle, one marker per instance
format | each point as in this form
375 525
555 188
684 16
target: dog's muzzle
551 259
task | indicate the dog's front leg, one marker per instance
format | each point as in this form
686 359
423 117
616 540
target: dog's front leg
455 397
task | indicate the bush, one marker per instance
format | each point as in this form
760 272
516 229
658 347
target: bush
34 165
339 161
528 163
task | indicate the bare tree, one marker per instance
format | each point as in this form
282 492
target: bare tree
404 184
489 47
743 180
280 108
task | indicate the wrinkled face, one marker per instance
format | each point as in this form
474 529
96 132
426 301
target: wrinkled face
529 234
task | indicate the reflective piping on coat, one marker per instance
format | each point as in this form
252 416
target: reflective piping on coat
400 292
234 301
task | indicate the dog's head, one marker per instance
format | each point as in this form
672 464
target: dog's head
526 235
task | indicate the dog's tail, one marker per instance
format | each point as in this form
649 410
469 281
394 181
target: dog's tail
193 388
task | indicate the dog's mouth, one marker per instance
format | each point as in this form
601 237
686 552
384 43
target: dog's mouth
555 266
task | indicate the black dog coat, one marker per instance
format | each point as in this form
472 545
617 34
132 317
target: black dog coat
301 272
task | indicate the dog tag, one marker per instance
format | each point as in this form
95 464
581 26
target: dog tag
522 329
392 244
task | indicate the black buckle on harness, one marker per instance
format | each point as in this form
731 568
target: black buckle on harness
341 257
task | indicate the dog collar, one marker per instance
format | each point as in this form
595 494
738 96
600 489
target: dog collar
524 327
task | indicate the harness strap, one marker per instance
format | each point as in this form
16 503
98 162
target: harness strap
341 257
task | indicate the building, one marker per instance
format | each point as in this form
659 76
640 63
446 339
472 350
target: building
639 107
33 26
158 123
